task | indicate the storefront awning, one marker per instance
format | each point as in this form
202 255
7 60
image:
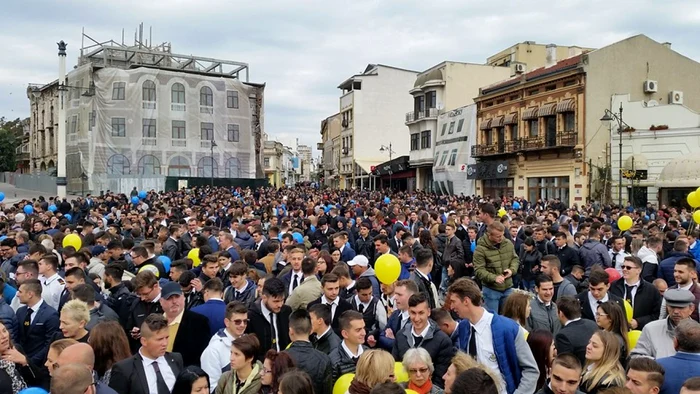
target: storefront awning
565 106
511 119
485 124
547 110
497 122
680 172
530 113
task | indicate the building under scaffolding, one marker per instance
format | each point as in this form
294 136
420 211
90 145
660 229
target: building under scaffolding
136 114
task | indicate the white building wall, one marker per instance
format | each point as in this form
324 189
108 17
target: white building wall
449 177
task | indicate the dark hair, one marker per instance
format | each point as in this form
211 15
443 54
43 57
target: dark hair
382 239
235 307
110 344
347 317
114 271
553 261
281 362
154 322
247 344
77 273
655 372
489 209
51 259
33 285
692 384
417 299
363 283
408 284
569 306
568 361
84 293
308 266
688 262
296 382
618 320
540 342
329 278
635 260
274 287
300 322
388 388
215 285
29 266
598 276
184 280
186 378
180 265
542 278
466 288
474 380
322 312
423 257
238 268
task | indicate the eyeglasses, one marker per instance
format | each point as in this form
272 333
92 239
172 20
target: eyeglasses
238 322
422 371
601 314
628 267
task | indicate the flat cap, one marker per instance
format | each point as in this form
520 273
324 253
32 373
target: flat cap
678 298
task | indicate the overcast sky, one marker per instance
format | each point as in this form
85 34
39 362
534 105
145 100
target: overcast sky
304 49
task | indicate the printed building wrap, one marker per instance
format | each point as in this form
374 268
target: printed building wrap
456 131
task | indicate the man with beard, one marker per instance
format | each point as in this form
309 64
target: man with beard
269 318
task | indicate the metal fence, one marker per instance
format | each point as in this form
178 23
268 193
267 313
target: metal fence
41 183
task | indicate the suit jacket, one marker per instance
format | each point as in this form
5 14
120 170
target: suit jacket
307 291
343 306
36 340
348 254
394 245
647 301
326 342
192 337
260 326
129 377
171 248
262 249
573 338
453 251
586 311
679 368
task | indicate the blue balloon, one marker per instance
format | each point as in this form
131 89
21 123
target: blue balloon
2 196
142 194
387 200
68 217
313 228
53 208
165 260
298 238
135 200
28 209
33 390
327 209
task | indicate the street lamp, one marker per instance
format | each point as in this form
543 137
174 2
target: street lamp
383 149
213 145
609 116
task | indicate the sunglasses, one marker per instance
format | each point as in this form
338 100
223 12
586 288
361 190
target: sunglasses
238 322
628 267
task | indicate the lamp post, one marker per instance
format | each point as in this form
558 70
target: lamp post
607 117
213 145
385 148
61 143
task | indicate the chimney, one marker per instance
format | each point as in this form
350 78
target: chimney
667 45
574 51
551 55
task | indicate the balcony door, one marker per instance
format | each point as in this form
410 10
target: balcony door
550 131
501 139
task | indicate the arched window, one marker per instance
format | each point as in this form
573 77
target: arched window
149 165
206 97
233 168
118 165
179 166
206 167
149 91
178 93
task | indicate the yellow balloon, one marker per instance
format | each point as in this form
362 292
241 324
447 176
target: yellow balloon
400 373
342 385
694 199
502 212
409 391
628 311
624 223
72 240
696 217
388 268
194 256
697 191
150 267
633 337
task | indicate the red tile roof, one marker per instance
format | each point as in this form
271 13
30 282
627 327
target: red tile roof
538 72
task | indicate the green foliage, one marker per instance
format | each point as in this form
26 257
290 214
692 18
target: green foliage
10 131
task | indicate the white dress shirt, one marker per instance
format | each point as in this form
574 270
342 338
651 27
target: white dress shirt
635 286
334 304
485 353
360 350
594 303
165 370
300 278
34 309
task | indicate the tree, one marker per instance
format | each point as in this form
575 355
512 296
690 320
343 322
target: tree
9 132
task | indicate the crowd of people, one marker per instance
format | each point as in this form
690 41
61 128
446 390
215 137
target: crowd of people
240 291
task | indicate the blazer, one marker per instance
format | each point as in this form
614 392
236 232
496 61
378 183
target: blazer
192 337
647 301
679 368
326 342
307 291
262 249
129 377
573 338
171 248
347 254
260 326
393 245
37 338
343 306
586 311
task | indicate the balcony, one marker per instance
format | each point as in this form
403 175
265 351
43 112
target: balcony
415 116
555 141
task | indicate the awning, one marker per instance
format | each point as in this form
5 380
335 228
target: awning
497 122
511 119
681 172
547 110
530 113
636 162
485 124
565 106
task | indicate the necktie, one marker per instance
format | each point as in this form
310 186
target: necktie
361 308
614 257
28 320
628 294
417 340
295 283
472 343
160 382
256 247
273 332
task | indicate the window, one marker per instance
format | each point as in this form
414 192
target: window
425 139
489 137
233 133
571 83
444 157
118 165
569 121
118 90
73 125
179 132
267 162
514 132
498 187
92 119
179 166
452 128
460 125
233 168
418 103
207 168
534 91
149 165
149 91
444 127
453 157
206 97
207 131
549 88
178 94
533 127
431 99
231 99
118 127
149 128
414 141
357 85
437 157
549 188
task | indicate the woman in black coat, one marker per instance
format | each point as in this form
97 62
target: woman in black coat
16 370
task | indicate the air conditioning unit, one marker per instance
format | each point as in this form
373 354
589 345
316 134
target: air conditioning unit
519 68
651 86
675 97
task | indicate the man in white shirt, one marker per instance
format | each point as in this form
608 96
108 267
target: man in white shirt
216 358
53 284
617 253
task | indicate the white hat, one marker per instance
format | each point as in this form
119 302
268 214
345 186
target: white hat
360 260
19 218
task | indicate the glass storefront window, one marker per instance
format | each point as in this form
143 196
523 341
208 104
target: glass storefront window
548 188
496 188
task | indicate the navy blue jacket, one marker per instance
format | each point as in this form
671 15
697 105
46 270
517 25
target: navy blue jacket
666 266
244 240
679 368
8 318
348 254
215 311
37 338
393 322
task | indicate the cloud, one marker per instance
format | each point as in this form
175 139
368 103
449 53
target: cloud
303 50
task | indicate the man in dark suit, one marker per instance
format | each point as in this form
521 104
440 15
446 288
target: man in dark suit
260 243
306 358
152 369
340 242
38 322
171 247
364 244
567 255
642 295
575 333
323 337
403 290
331 288
453 253
597 293
424 264
269 318
148 290
395 243
189 331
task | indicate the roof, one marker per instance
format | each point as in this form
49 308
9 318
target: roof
369 72
560 66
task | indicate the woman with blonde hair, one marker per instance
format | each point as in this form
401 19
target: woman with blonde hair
602 369
419 365
462 362
611 318
374 366
75 315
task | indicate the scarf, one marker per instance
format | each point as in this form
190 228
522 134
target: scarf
357 387
424 389
11 369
